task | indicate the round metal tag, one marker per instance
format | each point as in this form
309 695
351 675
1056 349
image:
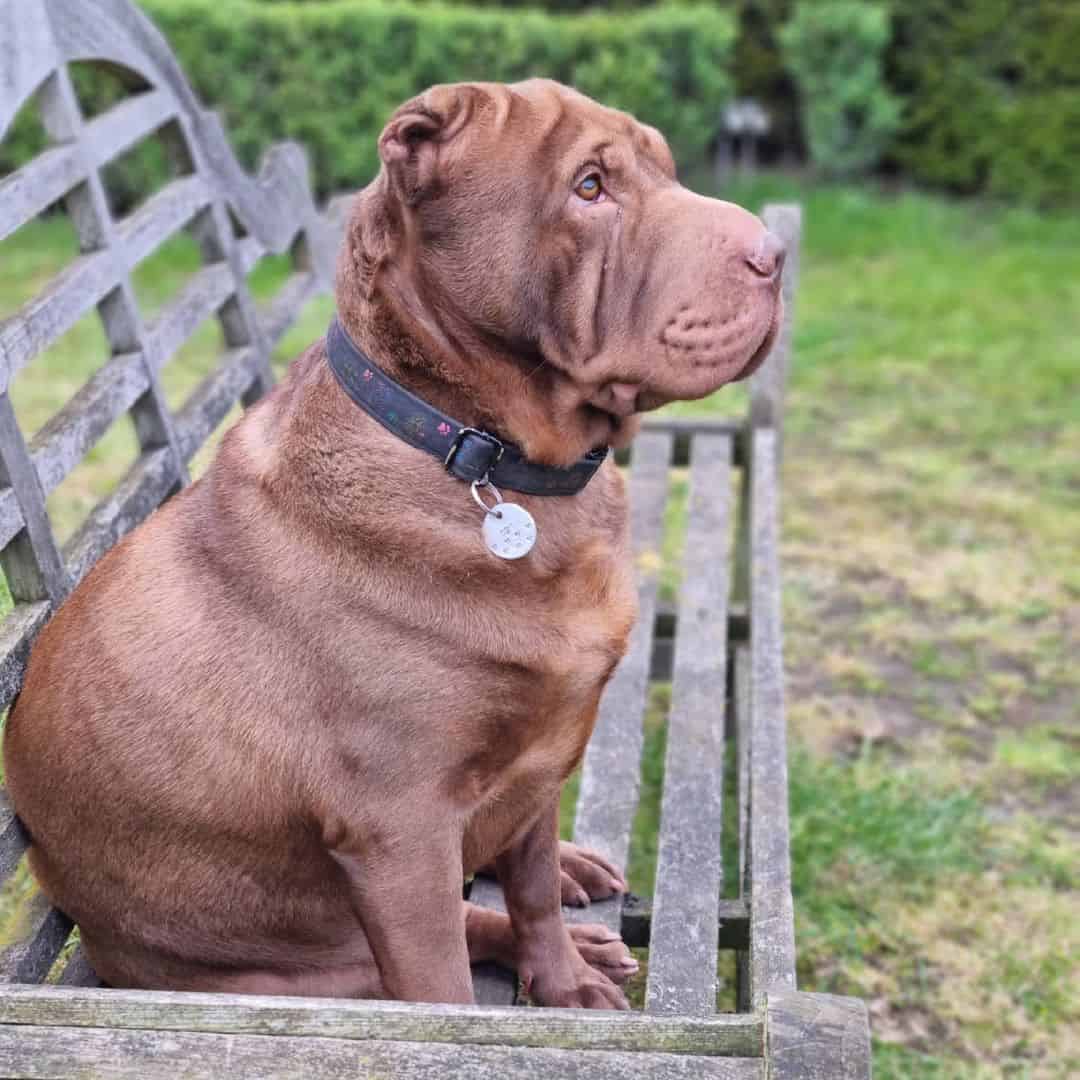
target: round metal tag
509 530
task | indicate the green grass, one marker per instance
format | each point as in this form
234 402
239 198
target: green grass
954 325
932 606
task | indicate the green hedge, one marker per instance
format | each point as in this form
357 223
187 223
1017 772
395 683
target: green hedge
993 95
834 52
329 73
990 88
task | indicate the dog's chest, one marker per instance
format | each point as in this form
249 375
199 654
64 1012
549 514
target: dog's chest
557 653
535 719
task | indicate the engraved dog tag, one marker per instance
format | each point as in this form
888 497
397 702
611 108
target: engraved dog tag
509 530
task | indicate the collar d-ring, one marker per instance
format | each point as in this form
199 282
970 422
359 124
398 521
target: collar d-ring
475 487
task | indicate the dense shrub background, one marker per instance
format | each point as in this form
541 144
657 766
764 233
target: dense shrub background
990 89
834 52
329 73
993 95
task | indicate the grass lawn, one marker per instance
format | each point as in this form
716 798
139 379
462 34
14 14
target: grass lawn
932 603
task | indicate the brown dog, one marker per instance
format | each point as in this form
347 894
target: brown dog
261 745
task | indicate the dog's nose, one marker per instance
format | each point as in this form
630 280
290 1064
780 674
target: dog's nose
767 259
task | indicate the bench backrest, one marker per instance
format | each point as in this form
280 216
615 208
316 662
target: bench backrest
39 40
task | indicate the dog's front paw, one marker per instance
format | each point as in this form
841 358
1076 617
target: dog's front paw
604 950
571 984
586 875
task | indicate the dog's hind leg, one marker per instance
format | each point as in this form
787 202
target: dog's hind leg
490 937
407 897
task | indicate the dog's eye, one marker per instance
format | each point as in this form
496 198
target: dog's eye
590 189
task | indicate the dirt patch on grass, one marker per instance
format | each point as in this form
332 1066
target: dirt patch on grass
933 623
926 624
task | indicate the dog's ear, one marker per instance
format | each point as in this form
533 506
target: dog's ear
414 143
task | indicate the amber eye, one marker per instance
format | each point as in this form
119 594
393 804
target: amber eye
590 188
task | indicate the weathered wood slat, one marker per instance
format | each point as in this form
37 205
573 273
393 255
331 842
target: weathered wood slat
238 317
124 125
35 943
26 57
691 425
37 1053
162 215
280 314
17 633
200 298
10 516
742 753
78 972
54 311
61 117
741 687
212 399
611 775
36 186
14 839
64 441
662 665
248 252
772 931
733 917
684 428
139 493
768 383
683 948
31 561
817 1035
339 1018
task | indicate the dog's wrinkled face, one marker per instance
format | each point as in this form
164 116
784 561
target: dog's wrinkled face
637 290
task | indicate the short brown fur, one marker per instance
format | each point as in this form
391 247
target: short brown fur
262 743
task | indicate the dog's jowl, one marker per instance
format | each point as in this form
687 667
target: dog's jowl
264 741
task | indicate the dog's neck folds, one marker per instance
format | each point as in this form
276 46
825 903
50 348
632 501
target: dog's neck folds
528 402
472 455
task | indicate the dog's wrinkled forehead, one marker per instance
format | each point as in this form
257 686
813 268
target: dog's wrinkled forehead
569 130
489 135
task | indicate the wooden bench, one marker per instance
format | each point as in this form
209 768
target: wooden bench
721 647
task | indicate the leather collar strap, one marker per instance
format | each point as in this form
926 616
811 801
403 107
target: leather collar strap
468 454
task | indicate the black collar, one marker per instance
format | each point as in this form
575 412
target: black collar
468 454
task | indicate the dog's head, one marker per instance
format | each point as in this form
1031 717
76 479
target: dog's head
532 225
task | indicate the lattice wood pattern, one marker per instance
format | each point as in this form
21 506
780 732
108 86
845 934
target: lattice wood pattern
39 40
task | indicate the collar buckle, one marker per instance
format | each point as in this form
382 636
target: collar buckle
473 455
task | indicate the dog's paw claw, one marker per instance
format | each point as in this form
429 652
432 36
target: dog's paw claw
604 951
573 895
589 871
